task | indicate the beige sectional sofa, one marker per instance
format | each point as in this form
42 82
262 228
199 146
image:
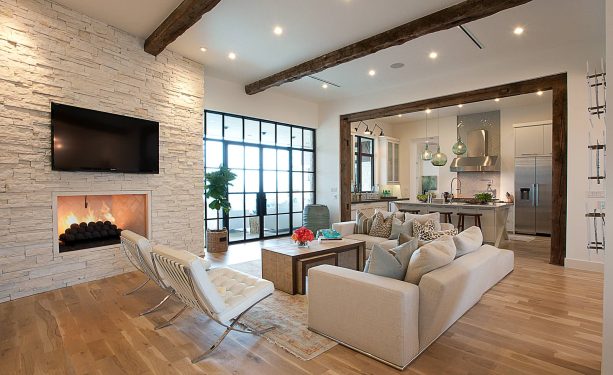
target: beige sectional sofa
392 320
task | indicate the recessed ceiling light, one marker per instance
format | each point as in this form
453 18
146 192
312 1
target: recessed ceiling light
397 65
497 99
324 86
278 30
428 110
460 105
518 30
202 49
539 93
399 116
372 72
433 55
232 56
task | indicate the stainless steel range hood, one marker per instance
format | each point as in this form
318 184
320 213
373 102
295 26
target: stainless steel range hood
477 159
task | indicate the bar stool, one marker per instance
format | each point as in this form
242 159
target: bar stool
461 217
446 216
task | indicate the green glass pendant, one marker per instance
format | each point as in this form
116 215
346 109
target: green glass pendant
426 154
439 159
459 148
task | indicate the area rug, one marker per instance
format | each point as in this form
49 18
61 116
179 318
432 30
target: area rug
520 237
289 314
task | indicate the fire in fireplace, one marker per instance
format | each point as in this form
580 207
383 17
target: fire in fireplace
87 221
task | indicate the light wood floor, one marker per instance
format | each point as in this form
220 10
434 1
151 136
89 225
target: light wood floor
541 319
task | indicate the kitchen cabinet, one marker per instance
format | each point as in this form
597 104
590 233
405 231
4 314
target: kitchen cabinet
389 157
533 140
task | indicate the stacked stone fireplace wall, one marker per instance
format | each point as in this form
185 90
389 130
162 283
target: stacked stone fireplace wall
49 53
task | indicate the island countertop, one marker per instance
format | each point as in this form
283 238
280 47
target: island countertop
455 205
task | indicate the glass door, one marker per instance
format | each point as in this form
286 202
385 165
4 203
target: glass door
275 174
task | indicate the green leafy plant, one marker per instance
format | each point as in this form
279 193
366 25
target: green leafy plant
484 197
216 187
422 197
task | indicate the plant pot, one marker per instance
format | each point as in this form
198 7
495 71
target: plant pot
216 240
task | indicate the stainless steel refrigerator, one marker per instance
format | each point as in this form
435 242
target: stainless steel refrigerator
533 194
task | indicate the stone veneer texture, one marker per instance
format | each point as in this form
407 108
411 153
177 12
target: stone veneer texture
49 53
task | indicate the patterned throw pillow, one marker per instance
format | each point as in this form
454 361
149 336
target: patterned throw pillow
427 231
381 227
363 222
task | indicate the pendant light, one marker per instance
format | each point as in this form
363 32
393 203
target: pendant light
426 153
439 159
459 148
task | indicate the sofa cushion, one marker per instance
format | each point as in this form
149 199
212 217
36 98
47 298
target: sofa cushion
468 241
398 227
381 227
370 240
390 263
435 217
429 257
397 214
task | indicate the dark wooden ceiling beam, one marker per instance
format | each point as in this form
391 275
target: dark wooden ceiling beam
456 15
180 20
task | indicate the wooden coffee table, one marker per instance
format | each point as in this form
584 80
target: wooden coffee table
280 263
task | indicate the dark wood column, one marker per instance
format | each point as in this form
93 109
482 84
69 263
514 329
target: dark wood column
346 165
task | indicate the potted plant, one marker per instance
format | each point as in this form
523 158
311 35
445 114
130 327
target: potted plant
216 187
484 198
302 236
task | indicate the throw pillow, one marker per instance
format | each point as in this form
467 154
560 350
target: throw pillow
429 257
390 263
363 223
381 227
404 238
397 214
399 227
468 241
425 231
435 217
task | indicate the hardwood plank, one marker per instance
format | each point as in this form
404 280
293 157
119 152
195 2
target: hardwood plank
453 16
179 21
526 324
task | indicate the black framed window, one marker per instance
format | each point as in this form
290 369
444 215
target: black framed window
275 167
364 164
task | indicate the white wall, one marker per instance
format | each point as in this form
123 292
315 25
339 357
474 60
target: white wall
607 339
230 97
489 72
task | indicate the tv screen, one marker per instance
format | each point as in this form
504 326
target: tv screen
88 140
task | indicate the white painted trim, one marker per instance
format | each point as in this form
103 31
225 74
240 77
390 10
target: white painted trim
56 245
583 265
533 123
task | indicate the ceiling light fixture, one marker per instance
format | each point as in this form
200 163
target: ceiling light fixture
428 110
497 99
433 55
426 154
278 30
460 105
539 93
232 56
202 49
372 72
518 30
399 116
324 86
397 65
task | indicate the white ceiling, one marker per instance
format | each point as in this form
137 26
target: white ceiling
314 27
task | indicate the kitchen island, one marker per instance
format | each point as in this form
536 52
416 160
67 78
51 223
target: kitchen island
493 220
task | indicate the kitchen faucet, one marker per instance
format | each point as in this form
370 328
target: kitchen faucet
458 187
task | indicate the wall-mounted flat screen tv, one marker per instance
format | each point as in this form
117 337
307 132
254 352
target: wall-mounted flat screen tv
88 140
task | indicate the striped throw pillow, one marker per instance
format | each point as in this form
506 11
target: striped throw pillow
363 223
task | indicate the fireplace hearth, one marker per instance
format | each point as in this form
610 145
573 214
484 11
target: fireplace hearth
84 221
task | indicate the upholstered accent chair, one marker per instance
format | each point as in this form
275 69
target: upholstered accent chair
223 294
138 250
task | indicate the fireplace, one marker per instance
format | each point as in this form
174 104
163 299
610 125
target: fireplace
93 220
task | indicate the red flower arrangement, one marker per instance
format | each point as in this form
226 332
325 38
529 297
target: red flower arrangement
303 235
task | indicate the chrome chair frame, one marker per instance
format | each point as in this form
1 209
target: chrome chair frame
135 256
186 292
